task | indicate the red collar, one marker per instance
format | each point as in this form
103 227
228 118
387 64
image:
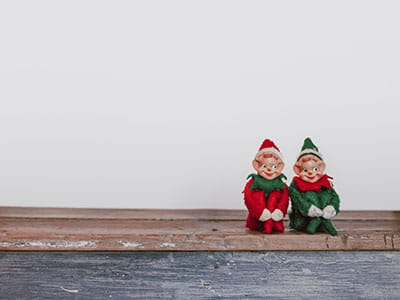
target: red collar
316 186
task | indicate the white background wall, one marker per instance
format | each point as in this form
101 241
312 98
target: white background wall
163 104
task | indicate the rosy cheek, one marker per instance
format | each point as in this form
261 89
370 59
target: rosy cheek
317 176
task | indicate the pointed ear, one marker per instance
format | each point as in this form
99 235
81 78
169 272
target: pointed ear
281 165
296 168
321 166
255 164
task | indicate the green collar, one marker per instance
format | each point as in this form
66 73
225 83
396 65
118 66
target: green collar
267 185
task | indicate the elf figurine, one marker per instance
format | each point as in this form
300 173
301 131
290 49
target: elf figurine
314 201
266 196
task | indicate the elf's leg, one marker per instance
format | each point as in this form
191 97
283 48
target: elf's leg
328 226
254 224
278 226
313 225
268 225
297 221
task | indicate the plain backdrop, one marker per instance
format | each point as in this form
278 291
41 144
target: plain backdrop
163 104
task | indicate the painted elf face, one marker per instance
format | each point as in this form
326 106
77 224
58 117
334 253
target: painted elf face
268 166
309 168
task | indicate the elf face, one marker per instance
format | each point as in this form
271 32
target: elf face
268 166
309 168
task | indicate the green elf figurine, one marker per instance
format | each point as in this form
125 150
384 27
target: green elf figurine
314 201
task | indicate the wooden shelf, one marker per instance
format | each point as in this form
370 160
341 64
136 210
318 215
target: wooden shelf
75 229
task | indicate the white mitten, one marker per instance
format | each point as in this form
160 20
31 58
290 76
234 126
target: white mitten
266 215
277 215
329 212
315 211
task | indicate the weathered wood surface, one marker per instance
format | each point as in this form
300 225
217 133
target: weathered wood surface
202 275
166 214
50 229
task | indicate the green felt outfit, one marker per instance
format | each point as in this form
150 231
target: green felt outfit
320 194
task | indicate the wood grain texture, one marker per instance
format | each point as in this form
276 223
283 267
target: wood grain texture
202 275
166 214
188 230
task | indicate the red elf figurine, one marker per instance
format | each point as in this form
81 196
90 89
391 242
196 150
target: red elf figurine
265 194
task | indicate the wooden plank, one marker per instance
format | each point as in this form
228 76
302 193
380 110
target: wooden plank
52 234
47 227
201 275
165 214
136 214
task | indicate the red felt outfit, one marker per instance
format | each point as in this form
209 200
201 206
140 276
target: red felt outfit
256 202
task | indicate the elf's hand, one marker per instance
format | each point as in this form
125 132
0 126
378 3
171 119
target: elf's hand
329 212
266 215
277 215
315 212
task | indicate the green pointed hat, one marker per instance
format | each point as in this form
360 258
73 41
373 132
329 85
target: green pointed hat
309 148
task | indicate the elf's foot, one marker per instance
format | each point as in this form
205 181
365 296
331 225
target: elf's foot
278 226
268 225
297 222
313 225
254 224
328 226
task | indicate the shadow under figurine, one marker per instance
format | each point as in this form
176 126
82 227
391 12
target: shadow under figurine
266 196
313 199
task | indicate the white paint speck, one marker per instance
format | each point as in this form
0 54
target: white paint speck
69 244
131 244
69 291
35 244
171 258
167 245
307 271
205 284
50 244
388 255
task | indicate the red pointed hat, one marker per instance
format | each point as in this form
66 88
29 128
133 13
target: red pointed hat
269 146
